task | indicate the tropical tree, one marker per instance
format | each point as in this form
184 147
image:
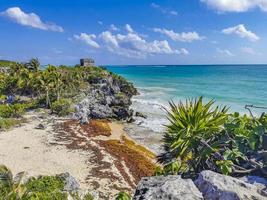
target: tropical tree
33 64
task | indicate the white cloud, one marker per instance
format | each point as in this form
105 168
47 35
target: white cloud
109 39
129 28
30 19
133 45
114 28
100 23
241 31
182 37
225 52
236 5
88 39
163 10
248 50
184 51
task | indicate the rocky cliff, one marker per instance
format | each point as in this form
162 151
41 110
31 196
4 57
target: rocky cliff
107 97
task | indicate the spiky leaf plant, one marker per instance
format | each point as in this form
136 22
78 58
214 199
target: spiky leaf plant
11 188
191 135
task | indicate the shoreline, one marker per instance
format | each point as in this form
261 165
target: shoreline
100 155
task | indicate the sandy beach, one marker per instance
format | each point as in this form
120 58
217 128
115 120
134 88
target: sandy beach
99 155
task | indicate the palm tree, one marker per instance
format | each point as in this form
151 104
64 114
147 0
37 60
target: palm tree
45 87
50 82
33 64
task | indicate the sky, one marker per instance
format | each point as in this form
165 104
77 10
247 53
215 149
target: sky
134 32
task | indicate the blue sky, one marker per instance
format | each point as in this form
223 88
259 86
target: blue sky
134 32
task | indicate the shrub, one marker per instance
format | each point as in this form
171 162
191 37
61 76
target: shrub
56 195
11 110
123 196
46 188
76 196
61 107
45 183
7 123
200 137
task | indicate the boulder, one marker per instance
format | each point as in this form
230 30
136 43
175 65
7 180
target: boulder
166 187
221 187
70 183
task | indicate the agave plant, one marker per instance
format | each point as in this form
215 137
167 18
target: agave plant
11 188
191 134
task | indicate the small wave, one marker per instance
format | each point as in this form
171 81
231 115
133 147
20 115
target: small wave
154 124
156 88
155 104
155 112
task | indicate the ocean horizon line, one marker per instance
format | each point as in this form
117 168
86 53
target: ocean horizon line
177 65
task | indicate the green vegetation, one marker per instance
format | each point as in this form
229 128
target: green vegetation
201 136
41 188
12 110
123 196
61 107
87 196
6 63
10 187
52 88
7 123
45 187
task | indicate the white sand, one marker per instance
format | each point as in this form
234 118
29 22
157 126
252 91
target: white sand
28 149
41 152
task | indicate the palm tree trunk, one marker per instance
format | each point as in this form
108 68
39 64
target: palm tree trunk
58 95
48 104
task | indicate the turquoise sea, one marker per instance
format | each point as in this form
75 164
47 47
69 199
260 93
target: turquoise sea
231 85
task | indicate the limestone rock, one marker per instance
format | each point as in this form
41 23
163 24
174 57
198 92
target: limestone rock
220 187
168 187
106 98
71 184
259 182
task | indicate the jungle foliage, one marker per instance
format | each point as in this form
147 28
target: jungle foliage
201 136
50 87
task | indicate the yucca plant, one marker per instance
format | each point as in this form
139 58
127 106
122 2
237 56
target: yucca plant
11 188
190 137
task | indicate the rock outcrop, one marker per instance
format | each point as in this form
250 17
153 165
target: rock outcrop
221 187
168 187
107 97
70 183
209 185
